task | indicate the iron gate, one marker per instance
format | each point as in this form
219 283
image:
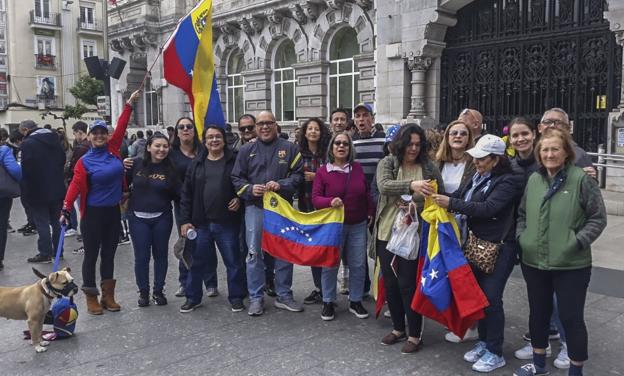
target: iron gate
511 58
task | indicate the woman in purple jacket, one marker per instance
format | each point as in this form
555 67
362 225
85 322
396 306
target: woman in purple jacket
341 182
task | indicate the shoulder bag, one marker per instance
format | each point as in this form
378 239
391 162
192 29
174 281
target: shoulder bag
9 187
483 254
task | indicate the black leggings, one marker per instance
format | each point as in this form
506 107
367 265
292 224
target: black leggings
400 290
100 234
570 286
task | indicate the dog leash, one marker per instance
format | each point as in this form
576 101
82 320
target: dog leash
59 249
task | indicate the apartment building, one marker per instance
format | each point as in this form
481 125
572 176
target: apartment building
42 47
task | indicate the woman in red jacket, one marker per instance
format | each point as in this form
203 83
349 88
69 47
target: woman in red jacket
98 180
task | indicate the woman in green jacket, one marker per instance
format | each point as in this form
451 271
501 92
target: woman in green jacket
561 214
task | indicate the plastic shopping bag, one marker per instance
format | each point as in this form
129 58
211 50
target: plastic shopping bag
404 241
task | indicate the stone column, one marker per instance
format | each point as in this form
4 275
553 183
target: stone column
311 89
257 90
418 65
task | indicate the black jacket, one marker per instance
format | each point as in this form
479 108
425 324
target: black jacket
491 214
43 162
192 200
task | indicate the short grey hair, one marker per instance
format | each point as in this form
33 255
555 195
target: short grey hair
559 110
28 124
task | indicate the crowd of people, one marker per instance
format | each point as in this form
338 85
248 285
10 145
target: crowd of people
535 196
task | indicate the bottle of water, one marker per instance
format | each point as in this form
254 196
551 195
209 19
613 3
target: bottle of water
191 234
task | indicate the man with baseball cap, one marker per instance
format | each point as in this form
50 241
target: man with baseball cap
368 142
474 120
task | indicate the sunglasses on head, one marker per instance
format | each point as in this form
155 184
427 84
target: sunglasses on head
185 126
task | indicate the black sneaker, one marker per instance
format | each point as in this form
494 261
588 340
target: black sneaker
40 259
238 306
189 306
269 288
29 231
124 239
327 313
314 298
144 298
159 298
358 310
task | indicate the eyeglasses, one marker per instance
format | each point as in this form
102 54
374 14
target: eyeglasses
553 122
262 124
247 128
214 138
458 133
341 143
185 126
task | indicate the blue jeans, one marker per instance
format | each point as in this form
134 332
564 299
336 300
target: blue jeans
255 260
205 260
45 216
354 245
492 327
150 238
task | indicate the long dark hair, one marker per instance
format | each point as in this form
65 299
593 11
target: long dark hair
403 139
147 165
323 141
175 143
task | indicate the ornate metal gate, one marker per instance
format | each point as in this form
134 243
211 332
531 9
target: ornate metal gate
510 58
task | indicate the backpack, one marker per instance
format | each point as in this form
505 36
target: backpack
64 315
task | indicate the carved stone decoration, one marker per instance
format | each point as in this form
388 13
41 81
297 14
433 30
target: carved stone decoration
137 41
311 10
126 43
150 39
418 65
256 23
227 29
334 4
274 16
365 4
298 13
116 45
246 26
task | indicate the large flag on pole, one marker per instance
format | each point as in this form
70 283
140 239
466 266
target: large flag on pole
447 290
311 239
188 61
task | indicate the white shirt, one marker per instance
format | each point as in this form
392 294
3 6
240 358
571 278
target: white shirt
452 175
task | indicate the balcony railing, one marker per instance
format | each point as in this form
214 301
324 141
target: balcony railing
47 101
45 19
45 61
93 26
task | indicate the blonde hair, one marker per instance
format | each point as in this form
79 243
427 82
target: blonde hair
445 153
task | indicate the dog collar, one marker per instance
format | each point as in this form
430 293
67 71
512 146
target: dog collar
43 290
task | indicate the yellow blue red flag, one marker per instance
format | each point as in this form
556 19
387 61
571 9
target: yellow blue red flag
311 239
447 290
188 61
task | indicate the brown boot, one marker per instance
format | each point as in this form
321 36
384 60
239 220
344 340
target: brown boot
108 296
93 306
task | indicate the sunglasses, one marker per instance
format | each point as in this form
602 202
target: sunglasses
341 143
247 128
262 124
458 133
185 126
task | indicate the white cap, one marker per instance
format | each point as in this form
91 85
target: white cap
488 144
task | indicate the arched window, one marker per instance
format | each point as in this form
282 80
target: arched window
343 77
235 87
284 81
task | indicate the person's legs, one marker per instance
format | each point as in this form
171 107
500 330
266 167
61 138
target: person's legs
5 212
407 270
141 231
269 267
53 215
203 253
329 277
255 256
110 238
283 278
160 248
92 229
41 218
539 291
227 241
354 243
317 276
73 219
391 284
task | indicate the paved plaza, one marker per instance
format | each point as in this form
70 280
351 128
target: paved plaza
214 341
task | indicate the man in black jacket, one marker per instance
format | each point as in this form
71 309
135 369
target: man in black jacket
43 160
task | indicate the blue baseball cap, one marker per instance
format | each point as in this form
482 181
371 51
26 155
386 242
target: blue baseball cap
365 106
101 124
392 132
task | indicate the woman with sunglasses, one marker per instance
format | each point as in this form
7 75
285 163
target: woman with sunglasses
155 184
454 163
341 182
312 141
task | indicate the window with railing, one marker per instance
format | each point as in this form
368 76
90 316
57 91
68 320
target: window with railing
42 9
88 48
45 56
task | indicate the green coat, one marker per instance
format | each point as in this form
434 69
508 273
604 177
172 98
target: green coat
556 234
390 190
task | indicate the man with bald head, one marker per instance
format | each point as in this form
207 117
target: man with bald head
269 164
474 120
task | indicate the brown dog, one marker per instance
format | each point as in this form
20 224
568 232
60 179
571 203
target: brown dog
32 302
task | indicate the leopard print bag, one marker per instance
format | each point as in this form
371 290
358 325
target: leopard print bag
481 253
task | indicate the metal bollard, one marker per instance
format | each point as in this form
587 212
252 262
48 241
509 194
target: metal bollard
602 171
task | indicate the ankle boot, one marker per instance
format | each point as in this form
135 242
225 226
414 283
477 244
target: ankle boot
144 298
93 305
108 296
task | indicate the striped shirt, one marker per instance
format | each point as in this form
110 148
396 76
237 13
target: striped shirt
369 151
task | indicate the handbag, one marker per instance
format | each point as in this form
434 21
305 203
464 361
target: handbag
9 187
483 254
404 241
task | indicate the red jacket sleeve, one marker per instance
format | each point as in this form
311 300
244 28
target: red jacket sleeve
114 144
78 186
318 190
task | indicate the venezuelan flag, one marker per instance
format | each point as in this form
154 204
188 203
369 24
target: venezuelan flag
447 290
379 288
188 62
311 239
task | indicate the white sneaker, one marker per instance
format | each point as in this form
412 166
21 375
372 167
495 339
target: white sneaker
471 335
71 232
526 353
562 361
387 314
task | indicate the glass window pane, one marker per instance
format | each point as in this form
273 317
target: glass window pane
230 81
333 68
346 66
277 76
285 56
344 44
288 74
240 104
345 92
333 88
278 102
289 101
230 104
238 80
356 91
